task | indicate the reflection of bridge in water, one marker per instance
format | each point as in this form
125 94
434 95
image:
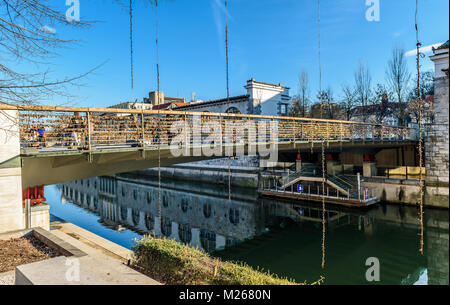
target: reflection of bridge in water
201 216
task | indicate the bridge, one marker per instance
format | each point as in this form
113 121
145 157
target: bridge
43 145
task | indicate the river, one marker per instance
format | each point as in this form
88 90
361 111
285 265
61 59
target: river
282 237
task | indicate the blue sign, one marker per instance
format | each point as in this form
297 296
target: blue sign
300 188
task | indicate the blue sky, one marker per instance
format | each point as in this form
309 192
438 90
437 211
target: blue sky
270 40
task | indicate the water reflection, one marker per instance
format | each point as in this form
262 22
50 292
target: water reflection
280 236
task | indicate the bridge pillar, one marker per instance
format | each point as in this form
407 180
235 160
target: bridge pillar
11 212
369 165
333 165
298 162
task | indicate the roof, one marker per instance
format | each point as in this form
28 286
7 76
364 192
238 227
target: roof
443 46
168 98
167 105
234 99
264 83
374 108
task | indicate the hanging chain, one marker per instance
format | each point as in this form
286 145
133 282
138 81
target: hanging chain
323 145
228 93
131 44
419 105
158 124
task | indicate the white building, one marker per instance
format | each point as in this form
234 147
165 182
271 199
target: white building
261 98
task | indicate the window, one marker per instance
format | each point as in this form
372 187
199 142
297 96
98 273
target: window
283 109
233 110
123 213
208 240
149 221
165 201
185 233
166 226
149 198
207 210
135 194
234 216
136 216
184 205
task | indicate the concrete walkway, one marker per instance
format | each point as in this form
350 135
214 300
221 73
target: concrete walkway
7 278
101 262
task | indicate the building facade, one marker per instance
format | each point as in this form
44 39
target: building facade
261 99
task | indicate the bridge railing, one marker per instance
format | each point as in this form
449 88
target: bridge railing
97 128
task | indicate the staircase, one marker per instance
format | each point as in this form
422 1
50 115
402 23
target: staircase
344 184
309 170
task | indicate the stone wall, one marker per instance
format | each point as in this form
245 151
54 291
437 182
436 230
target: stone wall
436 140
437 137
11 214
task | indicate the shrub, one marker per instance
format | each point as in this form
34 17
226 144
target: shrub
175 264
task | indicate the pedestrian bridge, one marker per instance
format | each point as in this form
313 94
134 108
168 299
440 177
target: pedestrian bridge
59 144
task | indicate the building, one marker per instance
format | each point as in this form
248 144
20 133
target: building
261 98
132 105
155 100
169 106
383 113
437 138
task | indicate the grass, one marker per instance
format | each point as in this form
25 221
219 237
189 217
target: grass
175 264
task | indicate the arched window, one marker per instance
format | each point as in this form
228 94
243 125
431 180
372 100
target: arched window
149 221
184 205
166 226
233 110
136 217
207 210
149 198
165 201
135 194
123 213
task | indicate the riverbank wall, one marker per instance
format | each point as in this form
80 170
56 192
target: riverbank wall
242 171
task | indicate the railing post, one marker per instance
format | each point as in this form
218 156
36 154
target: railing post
142 129
89 131
359 186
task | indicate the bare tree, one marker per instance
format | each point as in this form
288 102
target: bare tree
348 100
398 78
363 86
303 82
296 108
27 35
382 108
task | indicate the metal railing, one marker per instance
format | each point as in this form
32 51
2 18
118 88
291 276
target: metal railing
97 128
